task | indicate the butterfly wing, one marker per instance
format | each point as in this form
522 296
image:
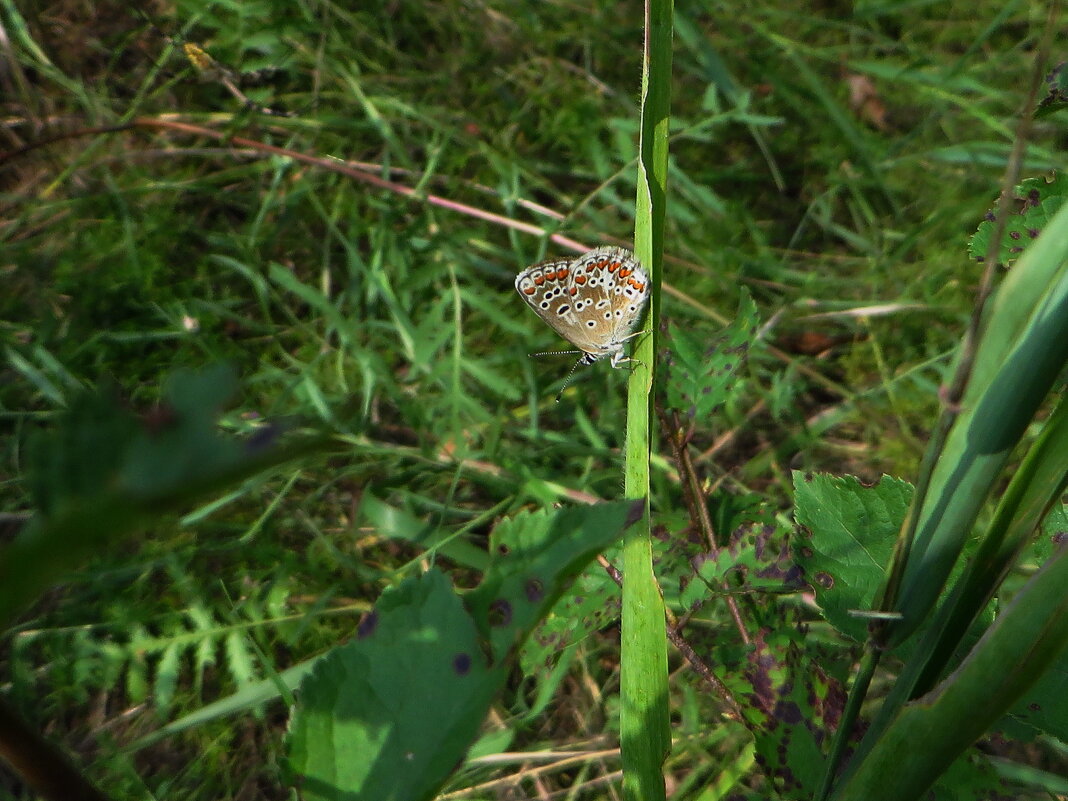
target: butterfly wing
593 301
549 290
616 290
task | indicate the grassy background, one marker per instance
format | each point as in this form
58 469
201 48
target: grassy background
826 158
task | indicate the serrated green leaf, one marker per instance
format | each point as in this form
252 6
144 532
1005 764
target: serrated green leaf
793 704
167 677
1054 531
699 374
748 563
847 538
1056 97
1035 201
592 602
239 658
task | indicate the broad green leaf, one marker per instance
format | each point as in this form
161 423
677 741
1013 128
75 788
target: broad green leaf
1056 97
1053 533
390 715
1045 705
846 540
591 604
792 705
971 778
185 444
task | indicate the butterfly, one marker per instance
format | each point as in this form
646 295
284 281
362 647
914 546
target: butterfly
593 301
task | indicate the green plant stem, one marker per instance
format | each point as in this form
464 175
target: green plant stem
644 691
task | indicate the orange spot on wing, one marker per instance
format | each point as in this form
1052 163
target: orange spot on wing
612 268
529 290
580 279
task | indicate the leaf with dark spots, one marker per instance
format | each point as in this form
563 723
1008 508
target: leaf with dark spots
1035 201
367 625
756 558
852 534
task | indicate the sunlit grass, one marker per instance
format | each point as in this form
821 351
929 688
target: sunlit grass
392 320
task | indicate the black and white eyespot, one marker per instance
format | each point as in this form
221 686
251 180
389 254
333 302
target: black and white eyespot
591 323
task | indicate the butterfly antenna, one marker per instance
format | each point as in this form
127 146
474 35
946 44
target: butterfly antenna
553 353
568 377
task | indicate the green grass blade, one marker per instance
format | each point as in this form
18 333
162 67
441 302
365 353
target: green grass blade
1022 349
1035 487
643 658
935 729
